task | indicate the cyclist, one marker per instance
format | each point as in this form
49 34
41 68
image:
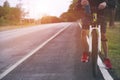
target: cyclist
101 7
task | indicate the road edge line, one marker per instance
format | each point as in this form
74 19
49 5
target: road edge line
103 70
2 75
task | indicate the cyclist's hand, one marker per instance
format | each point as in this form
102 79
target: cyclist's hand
102 5
84 2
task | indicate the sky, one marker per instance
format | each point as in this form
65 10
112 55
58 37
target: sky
39 8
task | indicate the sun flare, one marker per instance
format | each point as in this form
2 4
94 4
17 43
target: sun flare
39 8
36 8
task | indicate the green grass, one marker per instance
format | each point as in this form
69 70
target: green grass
113 35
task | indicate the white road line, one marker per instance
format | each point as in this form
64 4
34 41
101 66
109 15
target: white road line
80 25
2 75
103 70
10 34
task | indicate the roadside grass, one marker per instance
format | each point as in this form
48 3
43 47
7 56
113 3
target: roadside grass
113 35
4 28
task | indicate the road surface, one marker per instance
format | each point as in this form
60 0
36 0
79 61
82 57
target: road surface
59 59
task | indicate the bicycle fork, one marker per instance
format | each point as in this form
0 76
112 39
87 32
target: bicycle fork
89 38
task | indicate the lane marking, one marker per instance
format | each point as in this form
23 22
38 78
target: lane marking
80 24
104 71
2 75
10 34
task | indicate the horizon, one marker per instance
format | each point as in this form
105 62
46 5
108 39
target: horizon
39 8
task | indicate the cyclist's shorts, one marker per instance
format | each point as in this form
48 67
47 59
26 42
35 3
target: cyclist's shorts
86 21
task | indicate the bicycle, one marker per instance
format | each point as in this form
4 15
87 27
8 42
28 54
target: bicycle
94 42
94 38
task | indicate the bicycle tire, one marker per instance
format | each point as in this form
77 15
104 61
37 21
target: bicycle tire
94 54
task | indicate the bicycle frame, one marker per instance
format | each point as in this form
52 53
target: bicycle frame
97 27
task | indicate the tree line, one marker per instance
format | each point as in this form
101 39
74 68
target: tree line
10 15
73 14
14 15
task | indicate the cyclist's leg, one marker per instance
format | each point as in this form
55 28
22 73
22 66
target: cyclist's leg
102 21
105 49
104 44
85 46
84 34
103 36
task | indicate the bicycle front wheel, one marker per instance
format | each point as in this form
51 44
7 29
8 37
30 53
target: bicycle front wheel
94 54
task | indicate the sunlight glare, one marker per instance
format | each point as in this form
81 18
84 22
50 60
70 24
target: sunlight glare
39 8
36 8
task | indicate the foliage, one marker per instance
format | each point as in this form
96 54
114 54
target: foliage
49 19
113 35
6 4
10 15
74 14
118 11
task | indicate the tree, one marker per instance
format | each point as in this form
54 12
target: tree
49 19
118 11
72 14
6 4
10 15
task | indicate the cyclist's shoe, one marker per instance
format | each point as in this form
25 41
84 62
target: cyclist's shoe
85 57
108 63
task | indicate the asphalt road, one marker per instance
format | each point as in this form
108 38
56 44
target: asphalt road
57 60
